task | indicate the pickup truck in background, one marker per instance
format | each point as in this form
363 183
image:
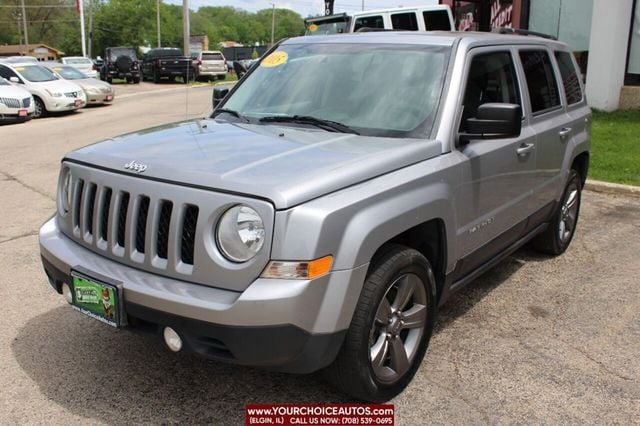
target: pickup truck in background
167 62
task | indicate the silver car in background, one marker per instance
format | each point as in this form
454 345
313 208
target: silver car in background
211 65
97 92
82 64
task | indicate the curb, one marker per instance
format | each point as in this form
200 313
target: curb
611 188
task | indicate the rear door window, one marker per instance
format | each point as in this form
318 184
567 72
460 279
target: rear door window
570 77
404 21
541 80
436 20
369 22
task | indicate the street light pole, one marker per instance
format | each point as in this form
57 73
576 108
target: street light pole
82 38
273 22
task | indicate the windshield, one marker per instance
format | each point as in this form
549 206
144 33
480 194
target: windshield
35 73
69 73
328 26
377 90
78 61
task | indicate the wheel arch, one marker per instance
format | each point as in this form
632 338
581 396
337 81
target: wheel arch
581 164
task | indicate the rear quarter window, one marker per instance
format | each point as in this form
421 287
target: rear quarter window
436 20
541 80
570 77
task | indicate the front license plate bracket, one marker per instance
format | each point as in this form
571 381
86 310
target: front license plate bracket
98 297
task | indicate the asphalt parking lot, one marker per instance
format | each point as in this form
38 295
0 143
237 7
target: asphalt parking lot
537 340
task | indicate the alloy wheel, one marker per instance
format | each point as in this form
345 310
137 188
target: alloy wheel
398 327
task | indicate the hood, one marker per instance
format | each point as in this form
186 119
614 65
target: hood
13 92
63 86
286 165
87 83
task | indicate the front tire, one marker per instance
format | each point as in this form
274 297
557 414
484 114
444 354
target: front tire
556 238
39 109
390 329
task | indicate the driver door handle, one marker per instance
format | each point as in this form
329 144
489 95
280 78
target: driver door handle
525 149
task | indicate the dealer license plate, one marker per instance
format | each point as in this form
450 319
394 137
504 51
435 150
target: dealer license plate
109 97
78 102
22 113
96 299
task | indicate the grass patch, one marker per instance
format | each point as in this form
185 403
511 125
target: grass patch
615 147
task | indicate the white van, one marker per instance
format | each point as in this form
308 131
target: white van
419 18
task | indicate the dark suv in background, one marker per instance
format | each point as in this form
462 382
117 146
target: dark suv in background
167 62
120 62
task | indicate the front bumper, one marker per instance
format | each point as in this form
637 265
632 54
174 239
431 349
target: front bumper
99 98
64 104
284 325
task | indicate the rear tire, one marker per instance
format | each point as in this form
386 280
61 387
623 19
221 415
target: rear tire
556 238
390 329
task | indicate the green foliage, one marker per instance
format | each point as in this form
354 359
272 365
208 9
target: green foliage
615 147
133 23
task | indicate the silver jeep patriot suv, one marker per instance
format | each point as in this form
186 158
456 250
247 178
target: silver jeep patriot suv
337 195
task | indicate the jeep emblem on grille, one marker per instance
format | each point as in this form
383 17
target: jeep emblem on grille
134 166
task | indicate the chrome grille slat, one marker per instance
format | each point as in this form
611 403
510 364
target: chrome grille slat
11 102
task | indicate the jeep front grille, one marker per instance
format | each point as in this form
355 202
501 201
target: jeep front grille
159 227
93 221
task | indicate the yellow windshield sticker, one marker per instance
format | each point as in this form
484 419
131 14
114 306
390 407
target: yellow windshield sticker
275 59
19 69
313 28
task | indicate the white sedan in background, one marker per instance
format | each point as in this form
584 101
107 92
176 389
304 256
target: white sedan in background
16 104
82 64
50 93
96 91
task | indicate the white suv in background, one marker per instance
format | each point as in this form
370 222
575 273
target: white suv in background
50 94
210 64
82 64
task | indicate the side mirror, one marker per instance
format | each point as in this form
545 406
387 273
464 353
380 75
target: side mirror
14 79
218 95
493 121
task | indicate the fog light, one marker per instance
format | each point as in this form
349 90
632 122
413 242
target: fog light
172 339
66 292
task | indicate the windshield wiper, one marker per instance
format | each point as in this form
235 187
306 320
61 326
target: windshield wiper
307 119
229 111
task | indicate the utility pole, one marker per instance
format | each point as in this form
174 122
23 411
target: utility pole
362 4
82 38
158 20
185 26
24 28
273 22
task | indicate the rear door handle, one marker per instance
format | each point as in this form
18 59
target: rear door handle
525 149
564 132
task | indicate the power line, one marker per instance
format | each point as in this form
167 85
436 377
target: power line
40 6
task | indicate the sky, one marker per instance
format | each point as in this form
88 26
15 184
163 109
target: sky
305 7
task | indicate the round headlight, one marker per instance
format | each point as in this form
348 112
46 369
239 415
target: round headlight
64 196
240 233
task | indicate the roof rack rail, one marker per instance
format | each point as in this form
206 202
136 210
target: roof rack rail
524 32
374 30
